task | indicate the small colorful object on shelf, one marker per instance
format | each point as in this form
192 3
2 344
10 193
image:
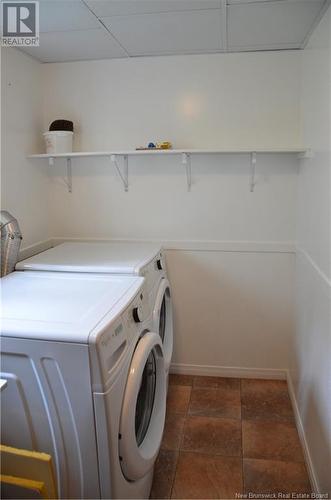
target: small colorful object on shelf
152 145
164 145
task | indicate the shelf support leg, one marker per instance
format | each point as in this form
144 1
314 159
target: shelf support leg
69 175
126 172
51 161
124 176
306 155
186 161
252 181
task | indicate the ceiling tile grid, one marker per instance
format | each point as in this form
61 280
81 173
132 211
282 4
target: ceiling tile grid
169 33
56 15
272 24
78 45
109 8
97 29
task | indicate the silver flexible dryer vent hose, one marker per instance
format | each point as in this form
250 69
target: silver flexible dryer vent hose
11 238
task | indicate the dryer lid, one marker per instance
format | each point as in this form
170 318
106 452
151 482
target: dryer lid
70 307
104 257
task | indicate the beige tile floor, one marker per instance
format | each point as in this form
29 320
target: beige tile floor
228 436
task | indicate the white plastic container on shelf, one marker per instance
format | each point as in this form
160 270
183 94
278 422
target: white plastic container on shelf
58 141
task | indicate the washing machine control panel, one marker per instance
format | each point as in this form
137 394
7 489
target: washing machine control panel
159 262
111 347
114 342
137 314
139 308
154 271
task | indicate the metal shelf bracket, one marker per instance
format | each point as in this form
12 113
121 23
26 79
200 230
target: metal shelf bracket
68 180
186 161
307 155
125 174
252 181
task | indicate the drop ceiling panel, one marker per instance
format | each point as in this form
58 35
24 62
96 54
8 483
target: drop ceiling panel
168 33
65 15
76 46
107 8
71 31
253 1
271 24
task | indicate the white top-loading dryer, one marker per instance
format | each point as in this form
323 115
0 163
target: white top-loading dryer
115 257
85 381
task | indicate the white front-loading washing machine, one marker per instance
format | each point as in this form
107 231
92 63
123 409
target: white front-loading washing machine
115 257
85 380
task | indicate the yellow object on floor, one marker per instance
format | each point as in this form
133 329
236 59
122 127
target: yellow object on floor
28 470
19 488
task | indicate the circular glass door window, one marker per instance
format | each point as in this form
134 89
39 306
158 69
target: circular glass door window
145 400
143 408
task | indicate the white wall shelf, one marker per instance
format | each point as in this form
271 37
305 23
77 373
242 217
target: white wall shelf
139 152
185 155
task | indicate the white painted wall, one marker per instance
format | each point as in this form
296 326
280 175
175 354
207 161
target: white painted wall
24 184
229 255
233 308
207 101
311 350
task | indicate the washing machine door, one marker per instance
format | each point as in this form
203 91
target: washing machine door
162 320
144 406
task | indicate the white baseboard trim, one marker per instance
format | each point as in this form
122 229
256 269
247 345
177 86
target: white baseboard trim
228 371
302 435
169 245
202 246
318 270
39 247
